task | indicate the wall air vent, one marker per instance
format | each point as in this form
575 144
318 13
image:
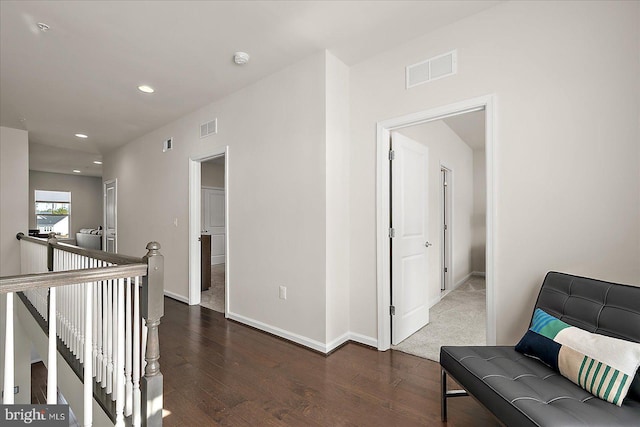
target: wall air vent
209 128
167 145
432 69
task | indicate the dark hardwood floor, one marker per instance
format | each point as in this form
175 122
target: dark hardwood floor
38 383
218 372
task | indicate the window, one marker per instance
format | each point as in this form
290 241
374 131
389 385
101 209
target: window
53 212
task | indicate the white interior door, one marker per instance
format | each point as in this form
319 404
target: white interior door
409 244
213 222
110 216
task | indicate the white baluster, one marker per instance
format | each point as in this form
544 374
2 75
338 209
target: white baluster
120 388
88 374
136 353
72 319
76 306
8 397
61 301
128 407
98 329
82 290
109 336
52 359
94 323
105 324
114 340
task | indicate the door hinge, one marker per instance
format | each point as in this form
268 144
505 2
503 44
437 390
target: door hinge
446 270
445 226
392 155
392 233
392 310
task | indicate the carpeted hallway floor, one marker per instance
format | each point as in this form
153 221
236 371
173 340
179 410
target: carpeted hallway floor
458 319
213 298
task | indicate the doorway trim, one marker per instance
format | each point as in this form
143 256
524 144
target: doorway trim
447 206
383 263
113 181
195 218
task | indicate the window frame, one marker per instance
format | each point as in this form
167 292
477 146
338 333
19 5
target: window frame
53 202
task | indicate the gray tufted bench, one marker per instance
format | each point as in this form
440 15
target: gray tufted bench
522 391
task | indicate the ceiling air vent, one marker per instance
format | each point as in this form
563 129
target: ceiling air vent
432 69
209 128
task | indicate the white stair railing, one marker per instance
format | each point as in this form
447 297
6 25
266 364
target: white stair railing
98 321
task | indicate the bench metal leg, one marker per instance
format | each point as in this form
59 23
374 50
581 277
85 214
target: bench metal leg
444 394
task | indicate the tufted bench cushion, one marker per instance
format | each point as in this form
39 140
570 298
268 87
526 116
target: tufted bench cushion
522 391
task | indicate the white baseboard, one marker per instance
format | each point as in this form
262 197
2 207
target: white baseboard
461 281
337 342
176 296
467 277
436 300
298 339
304 341
363 339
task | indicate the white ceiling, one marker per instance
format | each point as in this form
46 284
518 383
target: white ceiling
82 74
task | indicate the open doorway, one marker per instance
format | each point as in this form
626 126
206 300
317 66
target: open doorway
452 285
209 230
213 234
461 268
110 220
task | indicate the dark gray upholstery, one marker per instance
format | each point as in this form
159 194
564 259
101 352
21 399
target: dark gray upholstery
522 391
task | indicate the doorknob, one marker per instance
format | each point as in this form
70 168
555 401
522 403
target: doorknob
427 244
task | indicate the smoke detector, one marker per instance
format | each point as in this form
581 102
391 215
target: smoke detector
241 58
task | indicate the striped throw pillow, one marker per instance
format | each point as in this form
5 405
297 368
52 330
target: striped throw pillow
603 366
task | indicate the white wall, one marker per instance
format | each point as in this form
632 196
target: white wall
337 209
86 197
567 198
21 352
14 187
275 130
212 174
447 149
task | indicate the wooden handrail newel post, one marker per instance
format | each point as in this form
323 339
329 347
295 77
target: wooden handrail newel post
50 241
152 309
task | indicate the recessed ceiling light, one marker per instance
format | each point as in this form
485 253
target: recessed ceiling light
76 171
81 135
146 89
97 162
43 27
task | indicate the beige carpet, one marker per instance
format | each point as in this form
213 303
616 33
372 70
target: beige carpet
213 298
458 319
